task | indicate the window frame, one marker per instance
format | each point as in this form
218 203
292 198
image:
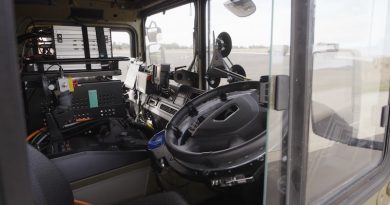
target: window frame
199 27
367 185
154 10
299 100
360 190
133 38
131 31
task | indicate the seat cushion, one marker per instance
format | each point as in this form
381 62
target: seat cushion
166 198
49 186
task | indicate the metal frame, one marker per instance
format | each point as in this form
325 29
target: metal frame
363 188
166 5
200 7
15 186
300 99
134 48
31 76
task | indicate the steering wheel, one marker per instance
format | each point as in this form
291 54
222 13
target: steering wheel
220 130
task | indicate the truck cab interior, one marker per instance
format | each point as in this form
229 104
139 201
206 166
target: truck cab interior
116 115
197 102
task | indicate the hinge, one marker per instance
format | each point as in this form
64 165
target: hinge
385 116
282 83
279 98
264 91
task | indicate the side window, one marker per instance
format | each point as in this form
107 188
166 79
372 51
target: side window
121 47
169 36
351 75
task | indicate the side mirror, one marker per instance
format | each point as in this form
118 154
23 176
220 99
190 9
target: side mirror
335 108
156 54
153 32
241 8
329 125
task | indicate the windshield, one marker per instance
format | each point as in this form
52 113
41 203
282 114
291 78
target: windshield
250 36
169 36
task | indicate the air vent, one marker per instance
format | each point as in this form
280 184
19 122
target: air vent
168 109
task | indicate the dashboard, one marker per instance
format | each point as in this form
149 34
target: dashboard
167 107
158 90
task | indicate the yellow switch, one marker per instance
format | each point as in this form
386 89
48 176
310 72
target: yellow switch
70 82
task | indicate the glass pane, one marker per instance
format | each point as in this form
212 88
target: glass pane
254 38
250 37
169 36
275 173
121 48
350 85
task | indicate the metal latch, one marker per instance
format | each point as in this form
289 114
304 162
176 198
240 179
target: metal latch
274 91
264 91
281 92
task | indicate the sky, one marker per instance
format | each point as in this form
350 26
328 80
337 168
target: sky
357 24
244 31
120 37
352 23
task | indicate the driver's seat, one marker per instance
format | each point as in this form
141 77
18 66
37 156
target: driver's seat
50 187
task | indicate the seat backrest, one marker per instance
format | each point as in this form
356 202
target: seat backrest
48 184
